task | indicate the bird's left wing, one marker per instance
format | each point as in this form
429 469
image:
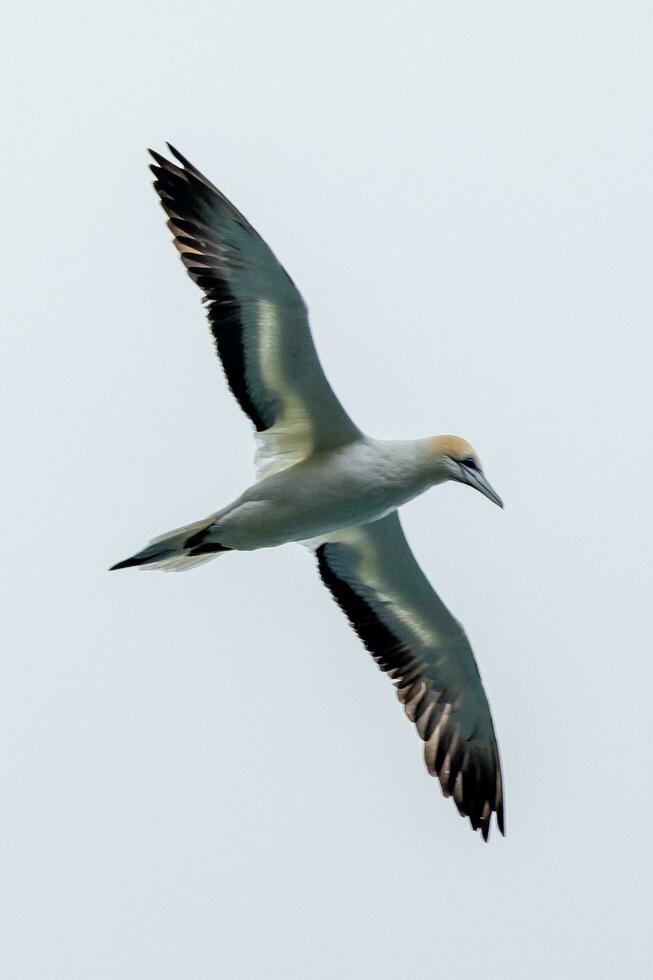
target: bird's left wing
258 319
375 579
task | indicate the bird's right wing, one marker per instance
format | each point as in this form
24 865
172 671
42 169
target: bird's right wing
373 576
258 319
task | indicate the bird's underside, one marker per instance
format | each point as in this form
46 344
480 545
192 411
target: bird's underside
320 478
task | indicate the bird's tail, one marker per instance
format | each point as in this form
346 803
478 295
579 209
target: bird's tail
177 550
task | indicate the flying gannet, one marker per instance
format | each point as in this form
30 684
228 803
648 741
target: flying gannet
324 483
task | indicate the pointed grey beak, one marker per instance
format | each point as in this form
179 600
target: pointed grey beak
478 480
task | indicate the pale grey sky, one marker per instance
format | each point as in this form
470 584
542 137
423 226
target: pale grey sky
205 775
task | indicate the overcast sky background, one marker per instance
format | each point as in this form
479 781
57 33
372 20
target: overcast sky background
205 775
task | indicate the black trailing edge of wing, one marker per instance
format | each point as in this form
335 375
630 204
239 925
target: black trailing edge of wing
192 205
469 776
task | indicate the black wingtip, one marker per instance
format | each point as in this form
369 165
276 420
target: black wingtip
486 825
501 824
177 155
161 160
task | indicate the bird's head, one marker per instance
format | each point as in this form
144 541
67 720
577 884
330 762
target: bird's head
452 458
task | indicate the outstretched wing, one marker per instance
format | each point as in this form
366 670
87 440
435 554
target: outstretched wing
374 578
257 317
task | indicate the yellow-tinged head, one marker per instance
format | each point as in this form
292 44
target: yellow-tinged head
452 458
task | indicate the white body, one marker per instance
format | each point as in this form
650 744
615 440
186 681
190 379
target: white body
353 484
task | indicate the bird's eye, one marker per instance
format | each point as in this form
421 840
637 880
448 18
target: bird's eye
470 463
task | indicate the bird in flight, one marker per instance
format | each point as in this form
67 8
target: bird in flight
324 483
